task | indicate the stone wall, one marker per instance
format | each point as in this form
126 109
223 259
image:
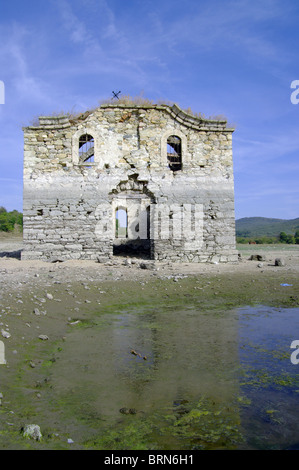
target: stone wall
70 203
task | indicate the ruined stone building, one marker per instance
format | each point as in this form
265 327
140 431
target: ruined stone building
168 173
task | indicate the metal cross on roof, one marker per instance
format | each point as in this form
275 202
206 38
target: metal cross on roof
116 94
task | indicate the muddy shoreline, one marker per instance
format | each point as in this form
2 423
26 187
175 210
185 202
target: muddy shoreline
246 282
130 268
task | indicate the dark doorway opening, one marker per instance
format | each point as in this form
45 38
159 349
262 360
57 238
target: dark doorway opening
138 246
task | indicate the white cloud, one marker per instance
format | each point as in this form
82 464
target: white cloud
236 26
78 31
16 48
252 155
172 49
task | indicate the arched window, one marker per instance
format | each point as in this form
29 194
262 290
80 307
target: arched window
86 149
174 152
121 223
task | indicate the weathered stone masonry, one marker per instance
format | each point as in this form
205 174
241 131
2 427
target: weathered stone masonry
171 172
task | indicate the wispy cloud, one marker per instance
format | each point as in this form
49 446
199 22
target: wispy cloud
16 48
79 33
234 25
252 155
151 44
235 57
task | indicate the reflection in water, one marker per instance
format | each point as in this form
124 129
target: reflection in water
270 381
195 380
189 354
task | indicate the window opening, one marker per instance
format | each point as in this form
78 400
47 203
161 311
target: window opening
121 223
174 153
86 148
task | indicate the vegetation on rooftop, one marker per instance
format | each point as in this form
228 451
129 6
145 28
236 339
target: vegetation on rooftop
126 100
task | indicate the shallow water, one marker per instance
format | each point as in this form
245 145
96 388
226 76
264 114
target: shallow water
181 379
271 380
149 377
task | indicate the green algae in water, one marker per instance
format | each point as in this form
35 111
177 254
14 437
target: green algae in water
185 358
212 380
269 379
201 425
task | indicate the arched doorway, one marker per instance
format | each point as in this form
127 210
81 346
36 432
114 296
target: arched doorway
131 209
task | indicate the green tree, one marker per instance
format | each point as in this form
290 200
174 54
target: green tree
4 223
19 220
9 220
241 240
290 239
283 237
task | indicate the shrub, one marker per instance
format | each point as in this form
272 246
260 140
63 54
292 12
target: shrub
9 220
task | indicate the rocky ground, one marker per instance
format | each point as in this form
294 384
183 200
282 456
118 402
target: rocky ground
260 273
252 259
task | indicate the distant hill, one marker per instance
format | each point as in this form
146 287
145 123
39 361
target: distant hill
265 227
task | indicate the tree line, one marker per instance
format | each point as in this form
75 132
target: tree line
281 238
9 221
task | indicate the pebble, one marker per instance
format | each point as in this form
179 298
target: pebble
279 262
32 431
43 337
5 334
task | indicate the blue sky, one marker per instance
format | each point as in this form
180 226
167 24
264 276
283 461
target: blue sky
237 58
